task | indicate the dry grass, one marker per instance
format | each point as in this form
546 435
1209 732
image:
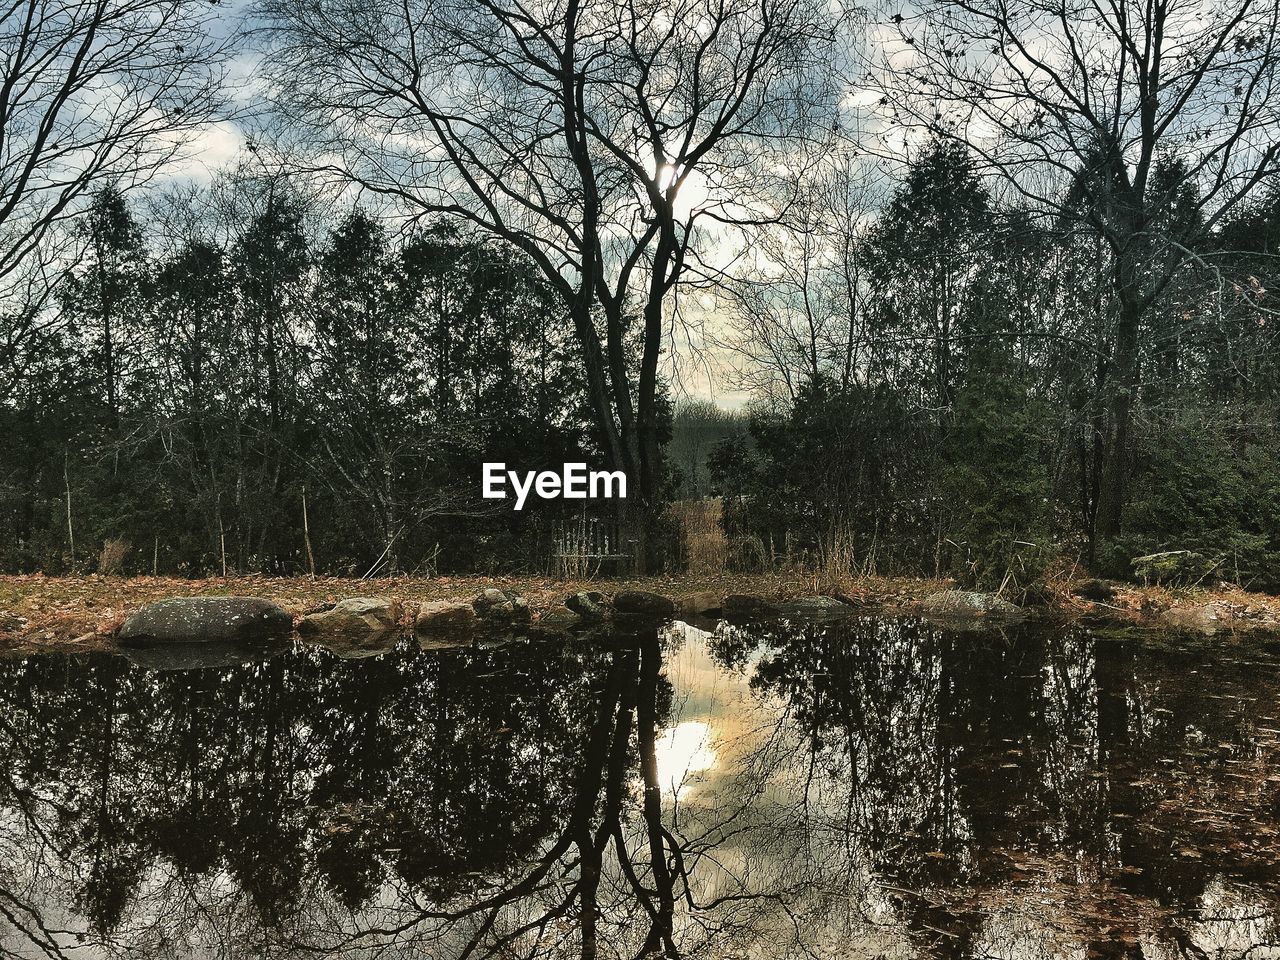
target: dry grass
840 556
111 560
706 546
1238 610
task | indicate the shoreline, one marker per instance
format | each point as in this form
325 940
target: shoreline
70 613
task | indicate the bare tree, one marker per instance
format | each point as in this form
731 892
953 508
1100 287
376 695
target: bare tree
93 93
25 325
597 137
1107 114
797 307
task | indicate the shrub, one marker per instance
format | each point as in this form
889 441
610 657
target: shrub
1206 501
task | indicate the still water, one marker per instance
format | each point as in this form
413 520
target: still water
864 788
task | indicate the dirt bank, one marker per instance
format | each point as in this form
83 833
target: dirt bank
38 612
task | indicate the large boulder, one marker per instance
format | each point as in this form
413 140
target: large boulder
355 618
502 607
446 617
589 605
641 603
968 603
207 620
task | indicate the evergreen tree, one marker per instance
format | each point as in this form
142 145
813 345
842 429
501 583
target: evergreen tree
921 256
104 296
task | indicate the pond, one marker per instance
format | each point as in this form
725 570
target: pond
859 788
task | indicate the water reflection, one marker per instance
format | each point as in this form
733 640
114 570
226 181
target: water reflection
783 789
683 752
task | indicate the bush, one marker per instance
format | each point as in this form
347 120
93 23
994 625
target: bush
747 554
1206 501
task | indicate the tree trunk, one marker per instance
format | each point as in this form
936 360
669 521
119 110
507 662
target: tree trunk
661 934
1124 387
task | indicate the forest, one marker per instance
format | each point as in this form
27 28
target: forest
992 286
200 397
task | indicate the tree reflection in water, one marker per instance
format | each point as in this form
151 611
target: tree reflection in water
1042 794
860 788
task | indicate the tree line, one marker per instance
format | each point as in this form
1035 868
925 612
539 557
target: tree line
998 277
943 398
299 395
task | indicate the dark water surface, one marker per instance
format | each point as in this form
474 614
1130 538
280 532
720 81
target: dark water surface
866 788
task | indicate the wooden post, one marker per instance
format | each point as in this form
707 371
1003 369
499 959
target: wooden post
71 533
222 537
306 536
155 558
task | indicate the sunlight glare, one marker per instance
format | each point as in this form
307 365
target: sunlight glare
681 751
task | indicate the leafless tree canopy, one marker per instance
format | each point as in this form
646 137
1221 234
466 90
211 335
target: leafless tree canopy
96 92
1038 87
596 137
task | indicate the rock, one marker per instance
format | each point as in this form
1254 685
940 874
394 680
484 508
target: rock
1093 589
589 606
699 604
814 607
355 629
740 604
490 597
503 607
515 610
640 603
968 603
11 622
207 620
1202 619
446 616
357 617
